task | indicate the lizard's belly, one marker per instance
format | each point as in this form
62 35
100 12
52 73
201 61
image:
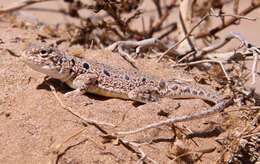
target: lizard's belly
102 91
107 93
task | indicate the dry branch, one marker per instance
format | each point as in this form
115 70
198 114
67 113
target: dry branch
18 5
172 120
84 120
206 61
229 22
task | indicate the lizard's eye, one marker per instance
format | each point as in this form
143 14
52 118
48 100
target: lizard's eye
43 53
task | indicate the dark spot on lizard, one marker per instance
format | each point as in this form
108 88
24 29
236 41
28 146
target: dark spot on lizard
187 90
96 82
126 77
201 93
85 65
144 79
174 87
72 62
194 92
162 84
106 72
72 65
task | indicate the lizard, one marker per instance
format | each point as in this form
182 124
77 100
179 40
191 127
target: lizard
85 75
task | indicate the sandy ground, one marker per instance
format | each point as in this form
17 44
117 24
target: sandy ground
33 123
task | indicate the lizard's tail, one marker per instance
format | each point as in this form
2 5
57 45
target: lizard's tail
183 90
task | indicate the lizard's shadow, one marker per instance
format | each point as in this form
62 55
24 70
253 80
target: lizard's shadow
64 88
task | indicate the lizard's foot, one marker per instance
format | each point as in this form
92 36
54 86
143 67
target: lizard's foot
74 93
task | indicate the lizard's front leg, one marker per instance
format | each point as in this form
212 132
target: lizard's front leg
81 84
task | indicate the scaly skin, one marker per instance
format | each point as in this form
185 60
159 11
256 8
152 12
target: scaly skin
89 76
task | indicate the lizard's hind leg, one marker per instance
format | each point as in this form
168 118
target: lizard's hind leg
144 94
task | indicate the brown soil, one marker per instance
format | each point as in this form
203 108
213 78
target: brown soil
33 123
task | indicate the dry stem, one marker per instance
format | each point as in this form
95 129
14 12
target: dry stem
18 5
83 119
229 21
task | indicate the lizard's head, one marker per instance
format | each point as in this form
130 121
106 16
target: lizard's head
47 60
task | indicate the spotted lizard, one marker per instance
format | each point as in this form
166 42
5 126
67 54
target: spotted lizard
89 76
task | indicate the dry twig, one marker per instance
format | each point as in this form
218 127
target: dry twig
206 61
212 32
203 151
83 119
254 66
171 121
18 5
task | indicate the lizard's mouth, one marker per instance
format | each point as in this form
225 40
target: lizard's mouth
46 68
43 68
